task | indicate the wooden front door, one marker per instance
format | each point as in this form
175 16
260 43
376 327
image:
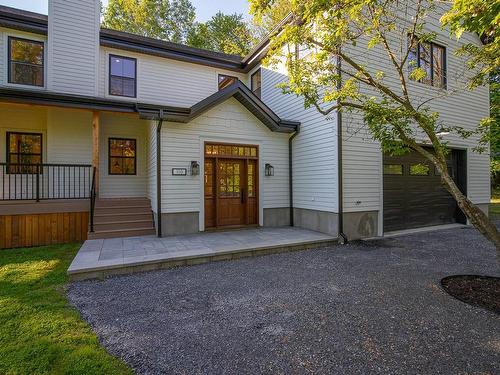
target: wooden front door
231 194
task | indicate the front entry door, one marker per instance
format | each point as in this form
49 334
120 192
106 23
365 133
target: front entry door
231 192
231 198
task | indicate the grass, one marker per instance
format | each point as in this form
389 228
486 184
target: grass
40 333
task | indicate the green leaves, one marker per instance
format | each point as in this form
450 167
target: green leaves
162 19
222 33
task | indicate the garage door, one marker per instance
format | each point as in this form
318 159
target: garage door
413 194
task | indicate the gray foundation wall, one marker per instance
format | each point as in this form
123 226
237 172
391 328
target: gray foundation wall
276 217
180 223
359 225
485 207
320 221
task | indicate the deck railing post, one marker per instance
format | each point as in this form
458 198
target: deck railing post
38 182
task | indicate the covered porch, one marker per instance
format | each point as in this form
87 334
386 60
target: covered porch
55 162
106 257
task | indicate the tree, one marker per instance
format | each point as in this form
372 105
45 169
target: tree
227 33
334 76
483 18
169 20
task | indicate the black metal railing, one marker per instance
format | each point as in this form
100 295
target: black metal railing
93 196
45 181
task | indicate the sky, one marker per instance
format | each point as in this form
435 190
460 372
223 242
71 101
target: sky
205 9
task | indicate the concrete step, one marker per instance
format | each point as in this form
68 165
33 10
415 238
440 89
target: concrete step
122 202
132 224
100 218
121 233
138 209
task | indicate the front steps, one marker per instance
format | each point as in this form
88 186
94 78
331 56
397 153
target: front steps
122 217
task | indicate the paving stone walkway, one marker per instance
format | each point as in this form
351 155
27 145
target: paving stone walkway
120 255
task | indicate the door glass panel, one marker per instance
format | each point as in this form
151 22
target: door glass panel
229 179
250 180
209 175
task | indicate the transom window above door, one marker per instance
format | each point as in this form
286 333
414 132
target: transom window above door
122 156
24 150
122 76
26 60
231 150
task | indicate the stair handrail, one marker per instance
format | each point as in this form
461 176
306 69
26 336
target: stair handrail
92 200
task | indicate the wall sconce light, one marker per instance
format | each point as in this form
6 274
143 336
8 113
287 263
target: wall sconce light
269 170
195 168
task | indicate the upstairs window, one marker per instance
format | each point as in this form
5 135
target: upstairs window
23 150
256 83
432 59
25 61
225 81
122 76
122 156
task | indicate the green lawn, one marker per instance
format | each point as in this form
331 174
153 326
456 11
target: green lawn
40 333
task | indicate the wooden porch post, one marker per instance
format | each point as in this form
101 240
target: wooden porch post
95 148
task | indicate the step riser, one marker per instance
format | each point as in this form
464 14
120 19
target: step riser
124 233
117 225
123 210
123 203
121 217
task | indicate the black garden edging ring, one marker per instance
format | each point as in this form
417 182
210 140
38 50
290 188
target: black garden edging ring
476 290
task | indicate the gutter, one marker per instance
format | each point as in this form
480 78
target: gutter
342 237
158 172
290 173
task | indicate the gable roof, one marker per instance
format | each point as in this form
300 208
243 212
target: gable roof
236 90
153 111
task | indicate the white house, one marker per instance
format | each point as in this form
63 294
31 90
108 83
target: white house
172 139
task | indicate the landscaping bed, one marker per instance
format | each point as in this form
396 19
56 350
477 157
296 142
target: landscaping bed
483 291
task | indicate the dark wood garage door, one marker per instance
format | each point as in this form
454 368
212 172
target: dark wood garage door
413 194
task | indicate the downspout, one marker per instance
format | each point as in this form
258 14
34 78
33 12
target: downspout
290 174
342 237
158 171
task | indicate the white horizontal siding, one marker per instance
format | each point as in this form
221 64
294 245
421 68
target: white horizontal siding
314 149
151 163
457 106
116 186
229 122
165 81
73 46
69 136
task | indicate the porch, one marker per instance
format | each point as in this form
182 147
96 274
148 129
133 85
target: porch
106 257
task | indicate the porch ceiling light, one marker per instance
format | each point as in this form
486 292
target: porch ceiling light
195 168
269 170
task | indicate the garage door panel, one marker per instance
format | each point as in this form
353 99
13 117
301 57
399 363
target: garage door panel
415 199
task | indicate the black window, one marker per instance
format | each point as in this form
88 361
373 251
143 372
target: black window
122 76
256 83
23 151
225 81
122 156
432 59
25 61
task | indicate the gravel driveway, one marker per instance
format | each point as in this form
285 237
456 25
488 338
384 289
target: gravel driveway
369 308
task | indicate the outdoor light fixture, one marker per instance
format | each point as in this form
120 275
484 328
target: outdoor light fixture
195 168
269 170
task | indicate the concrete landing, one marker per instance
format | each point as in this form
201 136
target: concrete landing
104 257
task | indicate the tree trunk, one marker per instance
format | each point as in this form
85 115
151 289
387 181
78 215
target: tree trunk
476 216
